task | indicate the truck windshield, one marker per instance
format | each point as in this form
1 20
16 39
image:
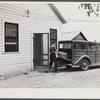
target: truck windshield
65 45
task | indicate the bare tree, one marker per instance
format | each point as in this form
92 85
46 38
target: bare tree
91 8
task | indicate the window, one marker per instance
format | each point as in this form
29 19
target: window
98 47
92 47
76 46
80 46
53 36
65 45
11 37
83 46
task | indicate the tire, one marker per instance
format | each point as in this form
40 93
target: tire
84 65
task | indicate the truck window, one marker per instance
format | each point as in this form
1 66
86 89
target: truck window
92 47
80 46
76 46
98 47
83 46
65 45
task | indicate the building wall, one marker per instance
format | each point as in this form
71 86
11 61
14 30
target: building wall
41 19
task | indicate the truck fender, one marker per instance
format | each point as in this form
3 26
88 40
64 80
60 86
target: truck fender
79 60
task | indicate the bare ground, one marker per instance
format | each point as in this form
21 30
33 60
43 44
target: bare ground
73 78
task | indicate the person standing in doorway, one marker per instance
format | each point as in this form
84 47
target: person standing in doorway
53 56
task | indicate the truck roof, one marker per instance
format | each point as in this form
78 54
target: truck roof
78 41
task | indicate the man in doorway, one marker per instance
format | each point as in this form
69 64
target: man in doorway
53 56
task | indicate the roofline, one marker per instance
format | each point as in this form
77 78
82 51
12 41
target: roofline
80 41
57 13
83 36
77 34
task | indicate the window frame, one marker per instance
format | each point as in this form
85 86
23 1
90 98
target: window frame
3 35
56 36
98 47
80 45
91 46
68 43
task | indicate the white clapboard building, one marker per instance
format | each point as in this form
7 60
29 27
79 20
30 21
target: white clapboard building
26 31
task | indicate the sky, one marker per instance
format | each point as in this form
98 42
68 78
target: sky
89 26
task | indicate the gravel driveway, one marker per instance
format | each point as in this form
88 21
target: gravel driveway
65 78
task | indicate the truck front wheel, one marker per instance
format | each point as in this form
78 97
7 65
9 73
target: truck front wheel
84 65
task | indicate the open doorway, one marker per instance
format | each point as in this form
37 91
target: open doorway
41 51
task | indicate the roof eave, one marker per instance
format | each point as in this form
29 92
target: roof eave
57 13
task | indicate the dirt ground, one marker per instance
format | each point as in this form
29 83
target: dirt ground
73 78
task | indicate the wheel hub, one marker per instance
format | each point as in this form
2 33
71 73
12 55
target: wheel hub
84 65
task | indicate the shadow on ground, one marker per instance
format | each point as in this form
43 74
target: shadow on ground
64 69
94 67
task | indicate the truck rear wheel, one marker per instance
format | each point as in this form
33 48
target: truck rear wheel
84 65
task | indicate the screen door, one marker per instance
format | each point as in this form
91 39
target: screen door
41 51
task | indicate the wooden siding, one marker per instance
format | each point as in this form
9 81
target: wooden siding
41 19
98 56
92 55
77 54
78 37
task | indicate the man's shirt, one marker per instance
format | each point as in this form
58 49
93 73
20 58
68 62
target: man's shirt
52 49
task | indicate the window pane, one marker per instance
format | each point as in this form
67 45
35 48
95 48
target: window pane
80 46
92 47
65 45
11 37
11 48
53 33
45 43
11 30
83 46
11 33
98 47
76 46
53 36
11 26
55 41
